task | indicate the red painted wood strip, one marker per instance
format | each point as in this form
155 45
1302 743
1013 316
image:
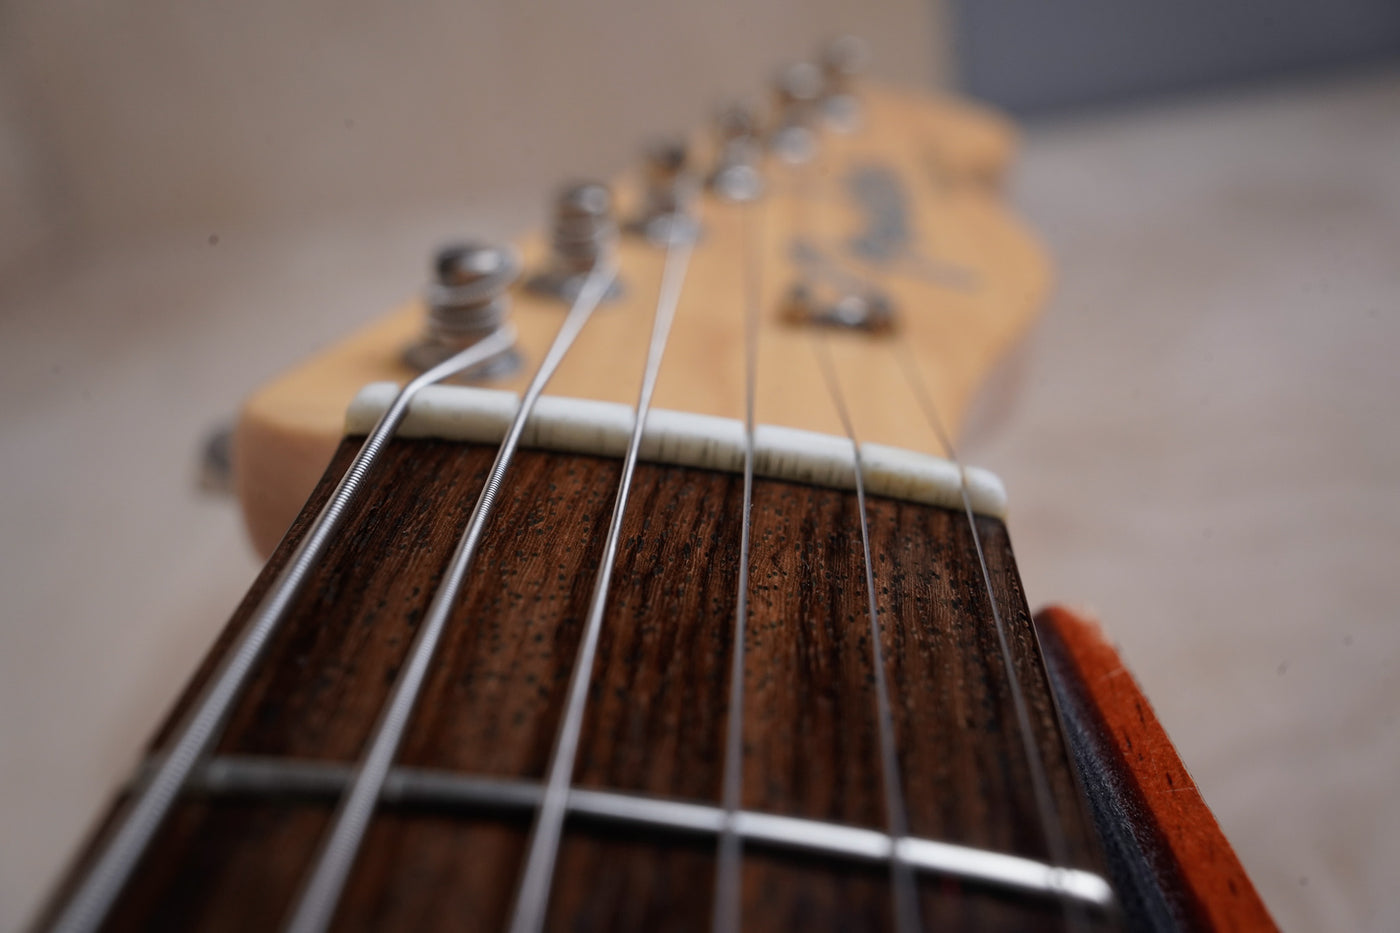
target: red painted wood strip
1183 828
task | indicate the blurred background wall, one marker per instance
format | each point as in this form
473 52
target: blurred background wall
1038 58
120 120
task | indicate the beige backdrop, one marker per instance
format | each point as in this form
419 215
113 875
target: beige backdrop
128 118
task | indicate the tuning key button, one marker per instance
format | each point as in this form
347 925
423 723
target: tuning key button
467 301
736 176
843 62
583 236
668 201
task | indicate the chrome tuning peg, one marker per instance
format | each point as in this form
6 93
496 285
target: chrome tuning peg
669 199
736 176
843 60
467 300
583 236
798 94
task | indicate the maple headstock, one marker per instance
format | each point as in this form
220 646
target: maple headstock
898 206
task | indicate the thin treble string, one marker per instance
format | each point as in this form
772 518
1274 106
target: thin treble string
1051 826
906 907
532 898
317 904
725 918
119 856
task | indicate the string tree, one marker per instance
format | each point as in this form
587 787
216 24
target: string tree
813 304
667 213
797 94
843 61
737 175
468 300
583 236
826 294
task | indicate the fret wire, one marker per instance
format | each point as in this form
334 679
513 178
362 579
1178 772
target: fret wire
317 904
118 857
906 906
259 776
1051 827
532 897
725 916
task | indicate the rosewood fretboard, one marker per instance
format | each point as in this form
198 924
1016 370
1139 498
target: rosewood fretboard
232 855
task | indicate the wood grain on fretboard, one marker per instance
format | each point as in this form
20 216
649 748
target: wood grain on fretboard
657 711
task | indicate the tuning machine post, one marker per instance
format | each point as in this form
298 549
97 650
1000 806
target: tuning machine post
737 175
668 201
468 300
583 236
797 93
843 61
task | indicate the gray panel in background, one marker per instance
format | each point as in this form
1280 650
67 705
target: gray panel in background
1035 56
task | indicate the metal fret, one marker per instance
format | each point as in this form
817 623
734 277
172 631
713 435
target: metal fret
532 899
316 906
118 858
260 777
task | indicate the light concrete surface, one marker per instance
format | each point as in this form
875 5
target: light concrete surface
1207 452
1205 449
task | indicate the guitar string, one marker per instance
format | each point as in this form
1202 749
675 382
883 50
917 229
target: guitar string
903 892
532 897
118 857
906 907
725 916
1051 826
379 764
317 904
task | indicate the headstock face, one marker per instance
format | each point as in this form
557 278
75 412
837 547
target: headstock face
900 212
